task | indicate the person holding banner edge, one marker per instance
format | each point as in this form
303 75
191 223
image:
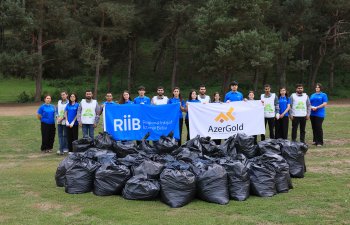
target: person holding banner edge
271 110
177 99
109 100
299 112
192 97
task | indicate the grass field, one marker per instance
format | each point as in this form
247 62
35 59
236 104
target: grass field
28 194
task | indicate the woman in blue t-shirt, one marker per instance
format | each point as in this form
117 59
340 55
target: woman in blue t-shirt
192 97
71 112
281 130
318 102
46 114
177 99
125 98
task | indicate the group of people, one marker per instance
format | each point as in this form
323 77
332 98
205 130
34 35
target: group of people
69 114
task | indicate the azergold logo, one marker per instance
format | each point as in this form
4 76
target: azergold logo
225 117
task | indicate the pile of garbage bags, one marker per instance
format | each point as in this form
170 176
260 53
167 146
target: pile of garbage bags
176 175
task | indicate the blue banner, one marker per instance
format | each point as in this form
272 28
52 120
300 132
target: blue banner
134 121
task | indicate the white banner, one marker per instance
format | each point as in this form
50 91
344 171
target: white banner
220 121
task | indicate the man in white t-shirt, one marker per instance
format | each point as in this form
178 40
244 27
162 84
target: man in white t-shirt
160 99
271 109
61 123
202 97
88 114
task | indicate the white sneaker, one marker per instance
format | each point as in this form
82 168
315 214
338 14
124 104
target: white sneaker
65 151
58 152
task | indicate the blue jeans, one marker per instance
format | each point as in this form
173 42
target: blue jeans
62 137
88 130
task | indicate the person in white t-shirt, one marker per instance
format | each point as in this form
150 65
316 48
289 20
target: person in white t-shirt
202 97
160 99
88 114
61 124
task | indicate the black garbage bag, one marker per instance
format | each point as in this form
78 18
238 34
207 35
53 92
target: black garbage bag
91 152
105 157
294 153
262 179
165 158
62 168
245 144
146 147
238 179
187 155
124 149
80 176
178 187
83 144
210 148
228 147
281 167
269 146
132 160
110 179
104 141
166 144
194 144
212 184
149 169
141 188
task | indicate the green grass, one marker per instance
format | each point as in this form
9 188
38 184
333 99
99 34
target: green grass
28 194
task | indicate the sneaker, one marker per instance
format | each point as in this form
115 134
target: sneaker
313 143
65 151
319 145
58 152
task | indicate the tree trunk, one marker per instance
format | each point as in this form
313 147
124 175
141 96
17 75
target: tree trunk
302 72
318 64
99 56
281 70
264 78
175 62
130 61
39 75
311 70
256 78
334 48
331 76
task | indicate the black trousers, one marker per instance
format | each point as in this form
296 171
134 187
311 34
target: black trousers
72 135
271 122
187 122
295 123
316 123
281 129
181 123
47 136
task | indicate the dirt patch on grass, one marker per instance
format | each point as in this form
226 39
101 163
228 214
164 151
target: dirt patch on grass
19 109
338 142
298 212
325 170
8 165
4 218
329 152
74 210
32 194
45 206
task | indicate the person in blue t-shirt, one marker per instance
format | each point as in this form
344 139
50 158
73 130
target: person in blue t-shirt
46 114
177 99
283 122
233 95
318 102
125 98
109 100
192 97
72 124
142 99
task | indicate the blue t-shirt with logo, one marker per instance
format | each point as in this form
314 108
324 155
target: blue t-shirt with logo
283 103
129 102
196 100
233 96
142 100
177 101
317 99
72 111
47 112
